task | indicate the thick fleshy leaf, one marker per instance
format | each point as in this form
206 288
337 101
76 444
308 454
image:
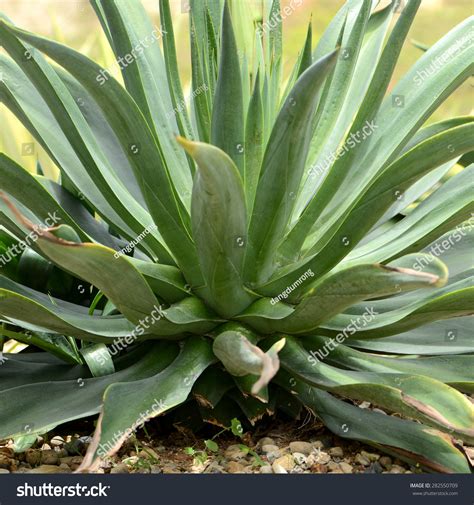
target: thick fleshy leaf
410 395
29 106
407 440
282 169
219 224
28 407
241 357
453 336
457 371
131 32
128 123
227 132
146 399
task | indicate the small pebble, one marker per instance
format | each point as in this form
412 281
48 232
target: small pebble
336 452
235 467
234 452
278 468
270 448
302 447
345 467
300 459
266 469
287 462
386 462
362 460
265 441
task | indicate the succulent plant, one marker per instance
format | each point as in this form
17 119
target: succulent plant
268 247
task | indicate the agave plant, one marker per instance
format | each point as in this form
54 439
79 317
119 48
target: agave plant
260 249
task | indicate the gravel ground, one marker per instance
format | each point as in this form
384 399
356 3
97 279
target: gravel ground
271 447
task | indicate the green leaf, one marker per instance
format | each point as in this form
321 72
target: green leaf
241 357
128 123
410 395
211 445
174 81
146 399
136 44
27 404
333 293
282 169
457 371
219 225
407 440
98 360
254 145
227 132
236 427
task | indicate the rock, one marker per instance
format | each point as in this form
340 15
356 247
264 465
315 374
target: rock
362 460
376 467
235 467
75 462
57 441
33 457
49 457
364 405
45 447
120 468
300 459
4 470
265 441
4 461
266 469
386 462
370 456
48 469
345 467
272 456
155 469
301 447
64 468
287 462
318 457
270 448
333 466
278 468
397 469
234 452
317 444
336 452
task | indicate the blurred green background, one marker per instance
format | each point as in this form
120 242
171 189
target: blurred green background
73 22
